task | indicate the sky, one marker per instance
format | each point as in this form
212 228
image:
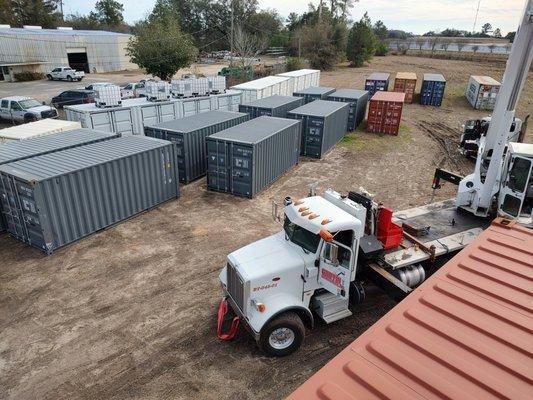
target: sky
417 16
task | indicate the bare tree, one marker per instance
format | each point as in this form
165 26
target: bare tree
460 46
433 42
491 47
445 45
475 48
247 46
420 43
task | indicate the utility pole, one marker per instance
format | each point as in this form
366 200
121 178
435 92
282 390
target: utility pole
320 10
475 19
231 35
61 9
299 45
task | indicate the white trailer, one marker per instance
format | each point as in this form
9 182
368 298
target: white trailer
264 87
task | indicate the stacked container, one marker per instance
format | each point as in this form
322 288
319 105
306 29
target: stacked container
107 95
377 81
264 87
323 125
30 130
482 91
432 91
21 150
302 79
385 113
357 99
245 159
58 198
189 135
313 93
272 106
405 82
157 90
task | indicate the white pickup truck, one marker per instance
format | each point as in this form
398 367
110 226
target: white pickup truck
65 73
24 109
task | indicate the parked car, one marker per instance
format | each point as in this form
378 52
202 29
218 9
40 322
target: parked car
75 96
132 90
65 73
92 85
24 109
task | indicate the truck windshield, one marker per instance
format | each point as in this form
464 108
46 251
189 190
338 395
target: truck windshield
29 103
300 236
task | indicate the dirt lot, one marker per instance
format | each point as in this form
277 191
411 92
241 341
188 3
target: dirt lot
130 312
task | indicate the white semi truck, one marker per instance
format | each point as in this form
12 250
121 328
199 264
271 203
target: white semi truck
314 267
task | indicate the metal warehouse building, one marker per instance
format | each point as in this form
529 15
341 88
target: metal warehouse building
32 48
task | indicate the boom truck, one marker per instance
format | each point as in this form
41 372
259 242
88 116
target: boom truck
331 244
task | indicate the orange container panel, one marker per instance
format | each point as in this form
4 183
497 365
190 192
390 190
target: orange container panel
405 82
466 333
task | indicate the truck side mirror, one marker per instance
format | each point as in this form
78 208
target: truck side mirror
332 253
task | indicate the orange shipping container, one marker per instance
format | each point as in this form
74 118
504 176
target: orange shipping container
405 82
466 333
385 113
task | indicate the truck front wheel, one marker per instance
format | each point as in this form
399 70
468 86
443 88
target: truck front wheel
283 335
69 78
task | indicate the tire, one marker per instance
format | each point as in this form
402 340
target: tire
49 77
69 78
357 293
283 335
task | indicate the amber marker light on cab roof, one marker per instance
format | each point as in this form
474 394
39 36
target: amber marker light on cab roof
326 235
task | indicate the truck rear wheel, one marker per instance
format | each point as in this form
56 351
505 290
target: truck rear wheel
283 335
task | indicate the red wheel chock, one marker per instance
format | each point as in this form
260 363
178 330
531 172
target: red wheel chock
222 311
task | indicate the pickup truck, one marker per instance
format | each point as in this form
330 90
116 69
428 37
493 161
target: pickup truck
132 90
65 73
24 109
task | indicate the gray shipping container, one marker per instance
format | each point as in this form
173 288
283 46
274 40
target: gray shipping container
323 125
272 106
55 199
22 149
357 99
189 135
314 93
245 159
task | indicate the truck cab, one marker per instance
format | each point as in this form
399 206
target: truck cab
65 73
278 285
19 109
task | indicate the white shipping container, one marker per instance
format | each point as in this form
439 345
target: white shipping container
39 128
264 87
107 95
157 90
482 92
302 79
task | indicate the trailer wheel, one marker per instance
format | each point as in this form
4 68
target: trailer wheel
283 335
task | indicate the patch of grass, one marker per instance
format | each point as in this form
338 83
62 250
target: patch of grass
376 142
455 91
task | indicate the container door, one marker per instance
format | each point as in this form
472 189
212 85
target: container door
352 116
223 103
218 165
123 122
177 139
241 170
313 137
102 122
189 108
204 105
149 115
166 112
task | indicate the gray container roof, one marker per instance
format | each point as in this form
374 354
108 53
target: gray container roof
319 108
379 76
434 77
18 150
51 165
349 94
273 101
254 131
316 90
196 122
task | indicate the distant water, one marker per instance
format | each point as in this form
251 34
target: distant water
482 48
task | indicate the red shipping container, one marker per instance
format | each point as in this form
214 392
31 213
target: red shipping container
405 82
385 113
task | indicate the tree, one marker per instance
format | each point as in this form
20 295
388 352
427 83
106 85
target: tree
460 46
380 30
83 22
486 28
497 33
161 47
420 43
345 6
361 42
510 36
433 42
247 46
491 47
317 46
475 48
30 12
265 23
109 12
445 45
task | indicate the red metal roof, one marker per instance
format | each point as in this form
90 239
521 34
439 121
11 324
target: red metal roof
466 333
388 96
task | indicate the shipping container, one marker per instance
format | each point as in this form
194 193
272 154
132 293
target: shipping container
135 113
302 79
313 93
482 92
465 333
357 99
323 125
42 127
264 87
189 135
54 199
405 82
385 113
377 81
432 91
272 106
245 159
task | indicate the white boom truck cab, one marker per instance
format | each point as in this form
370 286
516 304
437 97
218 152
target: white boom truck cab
274 284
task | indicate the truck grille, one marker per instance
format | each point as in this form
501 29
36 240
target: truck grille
235 286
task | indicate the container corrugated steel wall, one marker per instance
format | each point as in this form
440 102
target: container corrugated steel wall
405 82
302 79
385 113
314 93
323 125
272 106
189 135
245 159
55 199
465 333
482 92
377 81
432 91
357 99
